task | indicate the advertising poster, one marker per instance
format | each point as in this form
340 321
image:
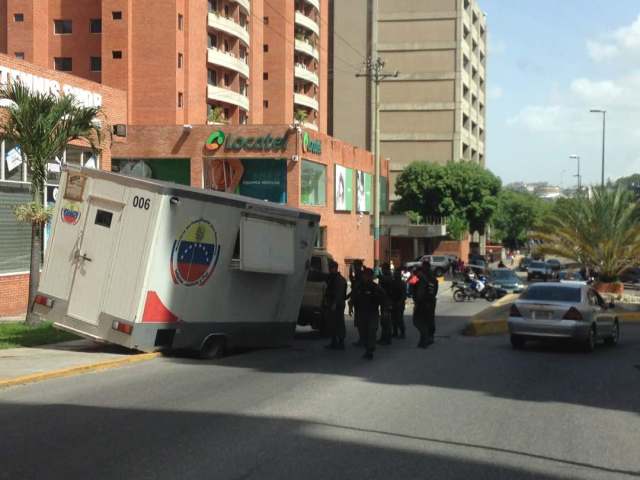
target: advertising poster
361 200
343 189
368 192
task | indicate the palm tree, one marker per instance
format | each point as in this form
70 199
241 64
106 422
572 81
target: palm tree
42 124
300 115
601 231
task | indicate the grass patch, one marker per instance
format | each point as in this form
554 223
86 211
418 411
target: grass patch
17 334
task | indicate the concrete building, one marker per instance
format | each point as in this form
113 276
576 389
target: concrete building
177 77
435 109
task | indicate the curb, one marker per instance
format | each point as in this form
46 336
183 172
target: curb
629 317
492 320
79 370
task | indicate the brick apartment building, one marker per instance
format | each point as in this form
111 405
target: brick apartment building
170 73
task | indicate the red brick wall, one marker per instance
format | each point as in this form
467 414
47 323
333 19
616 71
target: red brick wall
15 292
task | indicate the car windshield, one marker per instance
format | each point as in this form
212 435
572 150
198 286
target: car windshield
552 294
538 265
504 275
438 259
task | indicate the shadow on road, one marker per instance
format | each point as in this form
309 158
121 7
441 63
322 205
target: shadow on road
71 441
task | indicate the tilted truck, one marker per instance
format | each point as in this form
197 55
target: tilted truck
156 266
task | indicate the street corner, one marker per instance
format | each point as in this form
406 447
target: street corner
492 320
21 366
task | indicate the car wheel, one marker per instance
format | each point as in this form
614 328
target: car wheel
590 343
518 342
213 347
615 335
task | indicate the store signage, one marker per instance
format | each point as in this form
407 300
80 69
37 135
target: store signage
263 143
311 146
38 84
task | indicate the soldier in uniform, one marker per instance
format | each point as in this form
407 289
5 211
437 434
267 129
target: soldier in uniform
425 292
386 283
335 298
398 298
368 299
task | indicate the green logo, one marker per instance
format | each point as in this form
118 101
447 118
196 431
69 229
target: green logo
312 146
215 140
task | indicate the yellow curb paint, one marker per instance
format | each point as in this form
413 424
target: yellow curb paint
80 369
631 317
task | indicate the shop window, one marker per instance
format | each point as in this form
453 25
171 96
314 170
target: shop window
313 183
15 237
18 17
95 25
20 55
116 15
63 64
116 54
96 64
62 27
12 167
176 170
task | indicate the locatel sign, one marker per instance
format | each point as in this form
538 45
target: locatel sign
263 143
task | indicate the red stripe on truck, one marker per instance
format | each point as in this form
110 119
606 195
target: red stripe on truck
155 311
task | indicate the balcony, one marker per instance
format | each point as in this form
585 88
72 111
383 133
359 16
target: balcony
304 21
314 3
227 60
246 4
306 48
303 73
305 101
228 96
227 25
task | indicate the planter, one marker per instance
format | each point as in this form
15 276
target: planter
611 288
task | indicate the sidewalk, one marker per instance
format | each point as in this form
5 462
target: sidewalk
27 365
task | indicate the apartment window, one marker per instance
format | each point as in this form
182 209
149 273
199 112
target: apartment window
96 64
179 60
20 55
243 117
95 25
212 77
180 22
116 15
63 27
265 76
226 46
226 11
213 5
18 17
116 54
265 103
265 20
63 64
466 4
213 41
227 79
227 114
265 48
180 99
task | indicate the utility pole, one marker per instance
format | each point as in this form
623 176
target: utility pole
577 157
604 136
374 71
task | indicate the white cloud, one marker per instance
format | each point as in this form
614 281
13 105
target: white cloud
539 118
611 45
597 92
495 92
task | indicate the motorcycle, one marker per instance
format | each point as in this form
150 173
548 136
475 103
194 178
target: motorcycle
465 292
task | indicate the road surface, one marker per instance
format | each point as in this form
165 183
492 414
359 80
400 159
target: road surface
466 408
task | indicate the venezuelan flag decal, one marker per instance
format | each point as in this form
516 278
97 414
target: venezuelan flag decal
195 254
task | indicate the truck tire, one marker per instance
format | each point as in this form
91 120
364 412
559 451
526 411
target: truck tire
213 347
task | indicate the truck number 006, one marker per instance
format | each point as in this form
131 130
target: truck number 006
141 202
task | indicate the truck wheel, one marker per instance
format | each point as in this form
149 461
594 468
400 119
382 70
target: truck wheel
213 347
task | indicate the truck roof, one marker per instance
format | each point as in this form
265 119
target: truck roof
213 196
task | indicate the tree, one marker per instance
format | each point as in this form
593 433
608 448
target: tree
300 115
216 115
517 213
601 232
463 190
42 124
630 183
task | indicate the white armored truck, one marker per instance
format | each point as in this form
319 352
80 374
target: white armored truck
156 266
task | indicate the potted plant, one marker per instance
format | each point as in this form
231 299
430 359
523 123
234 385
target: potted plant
300 115
216 116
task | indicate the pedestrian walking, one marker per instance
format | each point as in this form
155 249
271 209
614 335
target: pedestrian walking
386 283
335 298
425 292
398 298
368 299
355 278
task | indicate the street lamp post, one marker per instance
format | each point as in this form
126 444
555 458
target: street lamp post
577 157
604 130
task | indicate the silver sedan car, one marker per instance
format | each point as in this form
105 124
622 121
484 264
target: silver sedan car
572 311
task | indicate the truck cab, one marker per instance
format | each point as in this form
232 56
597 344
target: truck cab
311 311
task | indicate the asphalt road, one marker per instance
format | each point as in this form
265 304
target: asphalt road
466 408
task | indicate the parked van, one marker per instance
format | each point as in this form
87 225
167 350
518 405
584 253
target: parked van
151 265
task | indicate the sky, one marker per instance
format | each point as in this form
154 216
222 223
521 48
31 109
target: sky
549 63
